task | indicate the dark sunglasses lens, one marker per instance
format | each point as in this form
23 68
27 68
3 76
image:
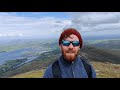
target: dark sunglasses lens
66 43
75 43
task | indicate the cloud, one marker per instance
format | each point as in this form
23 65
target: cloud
95 21
11 34
94 18
10 23
30 25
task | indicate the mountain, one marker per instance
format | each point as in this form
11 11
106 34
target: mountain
40 62
102 55
107 44
94 52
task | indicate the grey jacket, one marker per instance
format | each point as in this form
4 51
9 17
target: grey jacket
70 69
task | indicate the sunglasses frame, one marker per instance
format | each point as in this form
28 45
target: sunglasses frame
67 44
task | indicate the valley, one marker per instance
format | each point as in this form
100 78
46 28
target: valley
37 55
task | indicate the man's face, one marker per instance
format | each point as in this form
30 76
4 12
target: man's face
70 52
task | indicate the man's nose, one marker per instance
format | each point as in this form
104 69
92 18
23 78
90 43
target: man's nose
70 46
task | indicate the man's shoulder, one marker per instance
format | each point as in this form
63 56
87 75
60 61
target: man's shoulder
48 72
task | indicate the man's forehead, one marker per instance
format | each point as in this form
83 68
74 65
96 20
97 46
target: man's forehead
72 36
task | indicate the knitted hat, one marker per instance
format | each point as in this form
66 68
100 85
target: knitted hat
68 32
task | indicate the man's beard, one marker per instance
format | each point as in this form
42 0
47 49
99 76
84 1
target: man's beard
70 55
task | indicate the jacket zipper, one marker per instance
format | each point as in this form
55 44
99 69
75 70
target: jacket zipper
73 70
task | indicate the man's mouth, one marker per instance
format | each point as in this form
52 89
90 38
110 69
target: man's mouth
70 52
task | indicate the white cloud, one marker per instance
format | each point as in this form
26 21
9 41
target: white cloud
30 25
11 34
86 18
96 21
13 24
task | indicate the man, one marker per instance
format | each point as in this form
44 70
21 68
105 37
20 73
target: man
70 64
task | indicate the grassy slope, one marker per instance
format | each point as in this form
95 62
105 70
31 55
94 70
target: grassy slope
31 74
103 55
107 70
103 70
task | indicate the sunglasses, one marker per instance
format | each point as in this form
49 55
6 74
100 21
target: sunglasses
67 43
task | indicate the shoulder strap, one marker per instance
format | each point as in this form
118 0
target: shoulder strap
56 70
87 67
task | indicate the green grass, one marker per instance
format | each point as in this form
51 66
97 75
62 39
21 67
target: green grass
31 74
106 70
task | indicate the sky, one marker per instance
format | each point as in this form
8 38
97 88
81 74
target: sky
51 24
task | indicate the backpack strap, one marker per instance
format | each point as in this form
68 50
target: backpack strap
56 70
87 67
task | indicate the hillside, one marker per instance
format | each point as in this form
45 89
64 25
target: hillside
30 74
41 62
107 70
103 70
106 44
98 56
102 55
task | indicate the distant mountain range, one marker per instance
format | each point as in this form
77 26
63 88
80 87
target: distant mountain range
102 37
